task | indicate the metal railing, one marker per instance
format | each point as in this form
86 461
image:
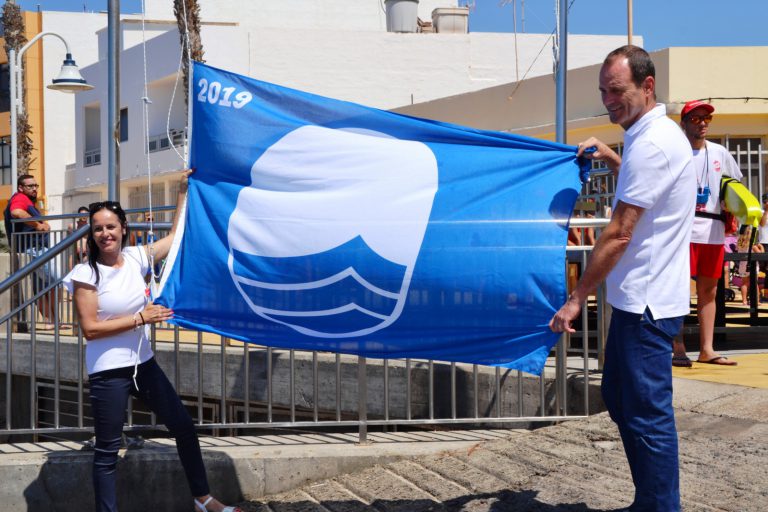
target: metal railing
235 387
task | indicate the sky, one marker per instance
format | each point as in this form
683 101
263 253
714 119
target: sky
662 23
126 6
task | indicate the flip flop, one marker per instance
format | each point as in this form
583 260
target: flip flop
681 361
719 360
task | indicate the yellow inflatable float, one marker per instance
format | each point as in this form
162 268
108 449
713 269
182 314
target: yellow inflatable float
740 202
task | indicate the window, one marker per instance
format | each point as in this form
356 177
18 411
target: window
5 88
5 161
744 150
749 153
92 150
123 124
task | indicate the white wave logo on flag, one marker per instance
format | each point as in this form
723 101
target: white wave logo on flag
326 237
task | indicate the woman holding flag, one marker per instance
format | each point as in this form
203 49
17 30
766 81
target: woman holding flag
112 302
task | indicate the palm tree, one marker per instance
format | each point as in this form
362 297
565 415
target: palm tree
187 14
15 38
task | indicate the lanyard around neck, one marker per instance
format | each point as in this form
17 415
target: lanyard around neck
704 168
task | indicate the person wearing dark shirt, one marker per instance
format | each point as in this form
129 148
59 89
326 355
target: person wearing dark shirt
34 242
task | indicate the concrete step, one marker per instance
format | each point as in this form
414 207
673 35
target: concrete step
575 466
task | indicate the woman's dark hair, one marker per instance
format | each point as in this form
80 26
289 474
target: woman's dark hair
93 249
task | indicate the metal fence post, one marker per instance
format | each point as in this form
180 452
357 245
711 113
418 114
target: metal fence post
560 374
362 400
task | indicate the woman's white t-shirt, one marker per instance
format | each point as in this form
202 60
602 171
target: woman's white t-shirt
121 292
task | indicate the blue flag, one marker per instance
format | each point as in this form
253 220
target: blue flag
313 223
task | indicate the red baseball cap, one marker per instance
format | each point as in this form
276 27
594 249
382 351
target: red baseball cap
693 104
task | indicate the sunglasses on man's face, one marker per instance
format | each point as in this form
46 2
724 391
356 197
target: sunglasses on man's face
31 185
697 119
109 205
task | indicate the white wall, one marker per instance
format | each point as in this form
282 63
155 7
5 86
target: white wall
79 30
133 32
387 70
161 92
352 15
310 50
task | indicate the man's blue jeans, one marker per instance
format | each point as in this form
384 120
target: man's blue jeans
637 390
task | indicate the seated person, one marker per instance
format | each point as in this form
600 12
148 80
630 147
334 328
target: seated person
81 249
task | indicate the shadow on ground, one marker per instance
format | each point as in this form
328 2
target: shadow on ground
502 501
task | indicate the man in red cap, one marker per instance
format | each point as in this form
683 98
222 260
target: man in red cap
711 161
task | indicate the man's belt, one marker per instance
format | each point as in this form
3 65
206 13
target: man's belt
708 215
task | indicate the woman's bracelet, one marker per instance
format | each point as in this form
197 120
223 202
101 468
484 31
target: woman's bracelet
135 322
143 322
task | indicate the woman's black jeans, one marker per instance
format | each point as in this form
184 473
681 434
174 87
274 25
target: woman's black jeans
109 398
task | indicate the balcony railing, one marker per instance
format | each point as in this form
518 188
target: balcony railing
162 142
92 157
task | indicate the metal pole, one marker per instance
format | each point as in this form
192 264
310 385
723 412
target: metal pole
14 113
362 400
760 185
629 21
562 67
113 99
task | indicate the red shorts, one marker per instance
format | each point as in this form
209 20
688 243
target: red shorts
707 260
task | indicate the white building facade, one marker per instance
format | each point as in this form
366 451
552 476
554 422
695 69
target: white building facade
337 48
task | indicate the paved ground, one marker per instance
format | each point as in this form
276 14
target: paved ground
752 370
578 466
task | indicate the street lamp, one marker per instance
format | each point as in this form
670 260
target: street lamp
69 80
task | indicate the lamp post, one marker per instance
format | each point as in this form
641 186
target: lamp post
69 80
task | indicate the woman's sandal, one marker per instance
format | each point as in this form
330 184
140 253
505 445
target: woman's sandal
202 507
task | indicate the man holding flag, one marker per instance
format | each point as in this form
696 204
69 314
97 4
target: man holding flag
643 256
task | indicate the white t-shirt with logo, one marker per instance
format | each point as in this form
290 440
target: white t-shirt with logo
121 292
656 174
762 232
708 173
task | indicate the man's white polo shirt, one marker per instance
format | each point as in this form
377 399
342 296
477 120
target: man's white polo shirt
657 175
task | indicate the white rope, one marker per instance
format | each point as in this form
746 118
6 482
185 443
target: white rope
184 48
146 101
530 67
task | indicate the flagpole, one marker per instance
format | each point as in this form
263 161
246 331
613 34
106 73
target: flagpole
562 66
629 21
113 100
560 131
